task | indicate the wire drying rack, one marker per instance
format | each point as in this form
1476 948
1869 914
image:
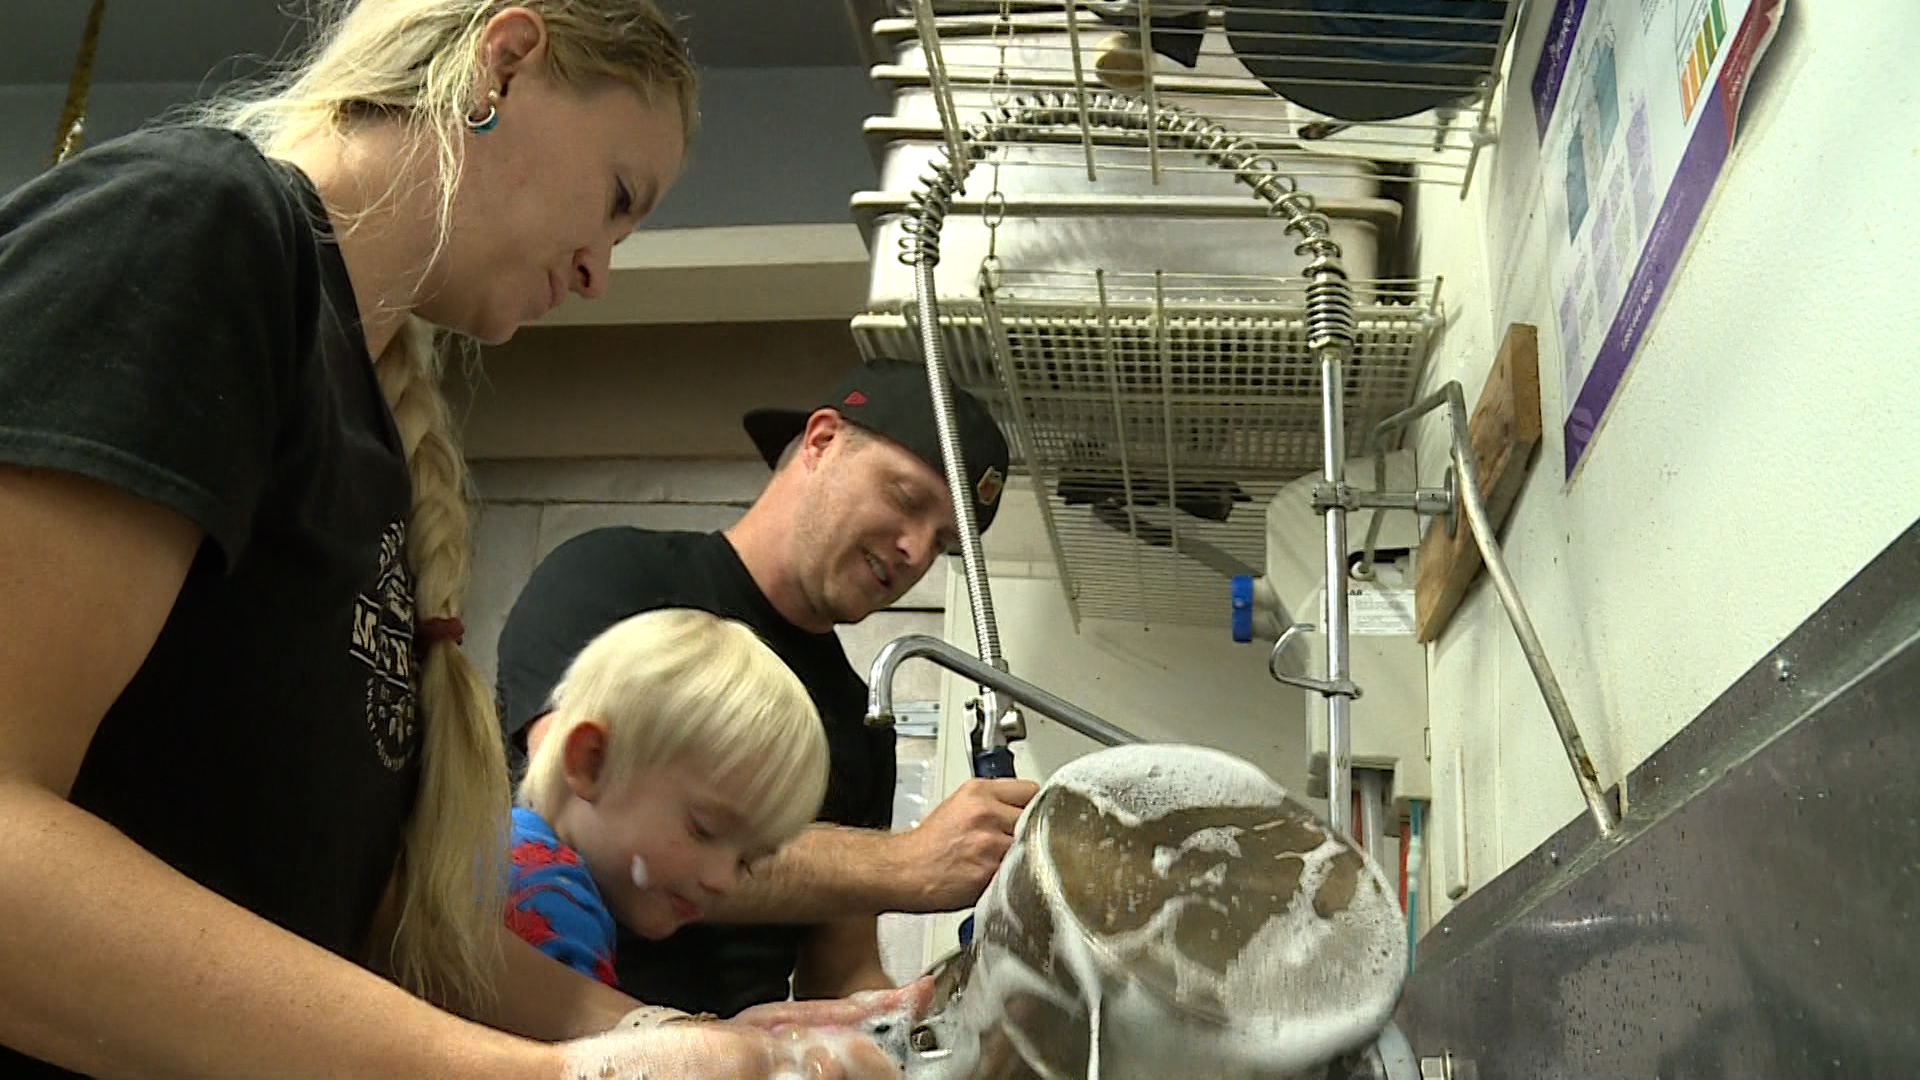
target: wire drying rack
1409 82
1157 402
1147 408
1158 414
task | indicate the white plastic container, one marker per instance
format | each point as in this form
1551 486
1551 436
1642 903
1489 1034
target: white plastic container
1219 256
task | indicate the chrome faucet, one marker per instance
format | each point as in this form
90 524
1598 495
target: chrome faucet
951 657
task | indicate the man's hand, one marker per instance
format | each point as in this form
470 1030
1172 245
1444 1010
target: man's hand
830 874
957 848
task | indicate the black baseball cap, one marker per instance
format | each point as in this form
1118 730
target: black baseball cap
891 398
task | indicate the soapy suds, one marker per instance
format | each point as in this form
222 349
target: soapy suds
804 1047
1297 952
891 1030
639 872
1218 839
997 977
1302 990
1307 985
679 1050
1141 782
1093 1041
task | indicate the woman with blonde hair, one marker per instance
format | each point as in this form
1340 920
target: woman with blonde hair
255 802
681 751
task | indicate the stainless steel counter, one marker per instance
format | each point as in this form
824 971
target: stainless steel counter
1756 917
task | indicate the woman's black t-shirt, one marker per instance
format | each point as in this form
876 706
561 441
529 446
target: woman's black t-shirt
176 321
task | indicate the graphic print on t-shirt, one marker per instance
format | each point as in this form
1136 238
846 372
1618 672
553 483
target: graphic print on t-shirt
383 640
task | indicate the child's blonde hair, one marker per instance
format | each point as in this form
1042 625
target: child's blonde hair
417 63
679 686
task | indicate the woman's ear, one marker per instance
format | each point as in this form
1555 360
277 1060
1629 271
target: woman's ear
513 39
583 759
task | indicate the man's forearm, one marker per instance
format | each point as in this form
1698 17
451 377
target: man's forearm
829 872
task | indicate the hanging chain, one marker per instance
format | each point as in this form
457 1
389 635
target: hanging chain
993 209
73 114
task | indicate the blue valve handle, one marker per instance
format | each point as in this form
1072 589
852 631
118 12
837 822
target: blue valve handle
1241 596
993 764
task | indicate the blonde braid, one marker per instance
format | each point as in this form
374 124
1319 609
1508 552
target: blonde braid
453 861
418 63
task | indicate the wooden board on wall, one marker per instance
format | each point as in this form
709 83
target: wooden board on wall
1505 428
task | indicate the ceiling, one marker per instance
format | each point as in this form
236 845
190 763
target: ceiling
212 41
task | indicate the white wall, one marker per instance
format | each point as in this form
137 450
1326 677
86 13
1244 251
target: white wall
1161 682
529 508
1764 447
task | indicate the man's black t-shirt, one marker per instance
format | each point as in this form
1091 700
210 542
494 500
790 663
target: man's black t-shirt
176 321
597 579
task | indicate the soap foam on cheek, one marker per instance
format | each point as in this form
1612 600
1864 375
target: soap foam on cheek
639 872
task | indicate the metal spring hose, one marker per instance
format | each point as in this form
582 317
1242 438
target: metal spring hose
1329 316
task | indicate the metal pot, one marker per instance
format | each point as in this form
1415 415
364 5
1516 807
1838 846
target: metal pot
1167 911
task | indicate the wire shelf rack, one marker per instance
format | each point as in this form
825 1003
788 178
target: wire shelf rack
1158 414
1389 81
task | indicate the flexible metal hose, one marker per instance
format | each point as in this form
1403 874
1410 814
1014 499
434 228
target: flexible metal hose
986 630
1330 315
1019 119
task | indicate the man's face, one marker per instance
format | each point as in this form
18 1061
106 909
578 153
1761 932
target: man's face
879 518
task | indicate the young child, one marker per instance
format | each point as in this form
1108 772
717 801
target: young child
681 750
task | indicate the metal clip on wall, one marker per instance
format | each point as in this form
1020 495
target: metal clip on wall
1461 493
1463 481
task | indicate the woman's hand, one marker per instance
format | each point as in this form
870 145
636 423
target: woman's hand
820 1040
725 1051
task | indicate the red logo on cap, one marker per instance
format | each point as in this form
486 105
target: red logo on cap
855 398
990 485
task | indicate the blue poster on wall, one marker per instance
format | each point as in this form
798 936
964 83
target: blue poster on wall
1636 102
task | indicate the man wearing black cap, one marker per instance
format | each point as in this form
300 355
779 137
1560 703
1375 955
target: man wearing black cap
855 514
